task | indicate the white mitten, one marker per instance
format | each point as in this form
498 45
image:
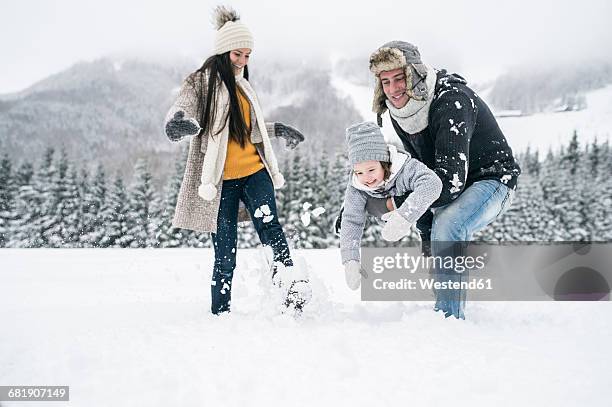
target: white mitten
353 273
396 226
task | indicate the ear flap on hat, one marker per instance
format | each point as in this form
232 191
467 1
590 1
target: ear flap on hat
378 103
418 84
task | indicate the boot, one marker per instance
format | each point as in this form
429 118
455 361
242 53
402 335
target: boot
294 284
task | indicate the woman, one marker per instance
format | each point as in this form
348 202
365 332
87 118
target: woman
231 160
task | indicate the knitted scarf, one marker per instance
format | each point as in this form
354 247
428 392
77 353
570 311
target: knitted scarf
414 116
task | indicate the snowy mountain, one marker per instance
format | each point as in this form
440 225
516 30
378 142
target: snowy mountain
557 87
543 131
105 111
111 111
302 94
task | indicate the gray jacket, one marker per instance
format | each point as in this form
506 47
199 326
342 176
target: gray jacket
407 175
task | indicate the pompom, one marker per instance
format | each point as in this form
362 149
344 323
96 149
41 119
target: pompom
207 192
222 15
278 180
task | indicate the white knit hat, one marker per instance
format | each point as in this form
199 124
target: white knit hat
231 33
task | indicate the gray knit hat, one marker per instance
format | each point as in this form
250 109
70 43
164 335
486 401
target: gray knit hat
231 32
366 143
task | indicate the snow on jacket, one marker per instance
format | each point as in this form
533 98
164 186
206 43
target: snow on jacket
407 175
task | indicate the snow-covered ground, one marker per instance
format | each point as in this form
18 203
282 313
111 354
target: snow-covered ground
132 328
539 131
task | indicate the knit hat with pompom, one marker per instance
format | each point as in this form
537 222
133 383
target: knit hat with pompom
231 32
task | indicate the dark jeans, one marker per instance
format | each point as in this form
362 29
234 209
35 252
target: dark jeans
257 193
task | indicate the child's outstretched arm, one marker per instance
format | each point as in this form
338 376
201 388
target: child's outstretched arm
425 185
353 222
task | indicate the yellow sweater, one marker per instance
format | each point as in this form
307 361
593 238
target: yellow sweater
241 162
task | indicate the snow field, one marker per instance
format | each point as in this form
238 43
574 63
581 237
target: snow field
133 328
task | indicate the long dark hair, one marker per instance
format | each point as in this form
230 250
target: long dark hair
220 67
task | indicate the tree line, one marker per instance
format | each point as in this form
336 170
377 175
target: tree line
564 196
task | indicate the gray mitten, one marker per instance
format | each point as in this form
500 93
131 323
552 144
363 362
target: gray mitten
292 136
179 127
396 226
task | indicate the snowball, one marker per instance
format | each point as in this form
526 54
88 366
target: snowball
318 211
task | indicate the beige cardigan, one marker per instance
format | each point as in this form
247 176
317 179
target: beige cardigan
206 158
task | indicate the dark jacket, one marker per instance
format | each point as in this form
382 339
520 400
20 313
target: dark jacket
461 129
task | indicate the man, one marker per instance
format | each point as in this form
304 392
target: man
444 124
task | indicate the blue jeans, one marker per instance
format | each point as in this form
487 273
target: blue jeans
257 193
454 224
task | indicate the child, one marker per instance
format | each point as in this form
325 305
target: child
380 170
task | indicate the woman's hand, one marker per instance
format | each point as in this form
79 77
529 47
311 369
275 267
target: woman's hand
292 136
179 127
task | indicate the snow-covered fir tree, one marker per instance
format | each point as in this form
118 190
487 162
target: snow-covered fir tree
142 217
36 205
16 224
115 217
64 215
169 236
94 195
8 192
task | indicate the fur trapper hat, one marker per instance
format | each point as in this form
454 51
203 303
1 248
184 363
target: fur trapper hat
395 55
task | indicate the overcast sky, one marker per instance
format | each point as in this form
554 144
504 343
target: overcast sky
479 38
